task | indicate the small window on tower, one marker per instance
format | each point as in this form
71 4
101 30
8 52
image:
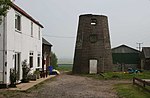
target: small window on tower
93 22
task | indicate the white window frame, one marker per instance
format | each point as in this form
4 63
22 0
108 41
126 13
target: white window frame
31 56
31 29
38 60
18 25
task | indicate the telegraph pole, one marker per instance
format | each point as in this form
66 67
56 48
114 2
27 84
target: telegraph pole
139 46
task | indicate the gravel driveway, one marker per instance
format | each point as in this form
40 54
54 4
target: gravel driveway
70 86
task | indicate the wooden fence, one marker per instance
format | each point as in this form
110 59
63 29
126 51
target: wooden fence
142 83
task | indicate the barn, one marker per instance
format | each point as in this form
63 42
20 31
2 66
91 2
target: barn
125 57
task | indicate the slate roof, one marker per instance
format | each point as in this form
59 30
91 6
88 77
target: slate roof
146 51
17 8
44 41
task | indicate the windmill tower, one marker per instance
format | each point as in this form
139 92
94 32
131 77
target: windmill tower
93 49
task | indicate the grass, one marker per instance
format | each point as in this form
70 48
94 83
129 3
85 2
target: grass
130 91
119 75
64 67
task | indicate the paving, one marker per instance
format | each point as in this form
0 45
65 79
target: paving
26 86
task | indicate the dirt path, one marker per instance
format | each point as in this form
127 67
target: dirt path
69 86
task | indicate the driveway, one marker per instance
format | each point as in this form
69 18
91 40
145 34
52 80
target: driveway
69 86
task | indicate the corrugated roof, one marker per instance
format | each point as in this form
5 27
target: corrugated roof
146 51
44 41
126 47
15 7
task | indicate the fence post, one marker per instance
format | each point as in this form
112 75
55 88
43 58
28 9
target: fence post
143 83
133 80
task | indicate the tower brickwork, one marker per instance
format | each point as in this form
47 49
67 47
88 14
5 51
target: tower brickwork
92 44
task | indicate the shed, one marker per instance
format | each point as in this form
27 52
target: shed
145 58
46 51
125 57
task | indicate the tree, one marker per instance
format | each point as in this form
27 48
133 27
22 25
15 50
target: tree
4 6
54 60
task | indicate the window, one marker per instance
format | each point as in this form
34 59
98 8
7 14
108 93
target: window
31 29
18 22
38 60
93 22
31 59
39 35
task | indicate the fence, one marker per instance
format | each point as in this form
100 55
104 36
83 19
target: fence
142 83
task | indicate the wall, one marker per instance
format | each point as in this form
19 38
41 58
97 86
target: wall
22 42
92 43
1 50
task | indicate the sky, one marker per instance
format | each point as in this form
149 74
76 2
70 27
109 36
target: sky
129 21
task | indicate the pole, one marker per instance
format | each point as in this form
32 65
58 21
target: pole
139 46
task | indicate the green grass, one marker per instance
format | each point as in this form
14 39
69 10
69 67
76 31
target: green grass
131 91
65 67
119 75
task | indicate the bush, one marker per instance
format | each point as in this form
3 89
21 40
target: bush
12 78
25 70
54 60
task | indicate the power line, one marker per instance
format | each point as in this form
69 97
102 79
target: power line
59 36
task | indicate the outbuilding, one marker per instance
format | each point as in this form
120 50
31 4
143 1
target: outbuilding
145 58
125 57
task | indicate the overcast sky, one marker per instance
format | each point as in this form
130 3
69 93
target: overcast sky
129 21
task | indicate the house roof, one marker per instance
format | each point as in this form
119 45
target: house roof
17 8
146 51
44 41
126 47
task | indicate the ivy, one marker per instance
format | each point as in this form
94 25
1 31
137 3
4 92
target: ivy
4 6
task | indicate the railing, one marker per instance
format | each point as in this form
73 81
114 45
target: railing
142 83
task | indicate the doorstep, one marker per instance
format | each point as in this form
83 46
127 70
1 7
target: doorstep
26 86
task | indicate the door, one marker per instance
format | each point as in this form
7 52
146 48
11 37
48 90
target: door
17 66
93 66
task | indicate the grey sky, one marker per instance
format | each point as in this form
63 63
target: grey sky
129 20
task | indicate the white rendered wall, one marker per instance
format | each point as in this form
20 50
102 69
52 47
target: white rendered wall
1 50
22 42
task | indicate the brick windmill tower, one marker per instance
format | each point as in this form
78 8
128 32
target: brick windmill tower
93 49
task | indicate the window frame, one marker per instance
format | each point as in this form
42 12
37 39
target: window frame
18 24
38 60
31 57
93 22
31 29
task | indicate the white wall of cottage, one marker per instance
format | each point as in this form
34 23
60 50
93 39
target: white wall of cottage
1 49
20 42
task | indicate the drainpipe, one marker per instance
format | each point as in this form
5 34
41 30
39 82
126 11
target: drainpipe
4 32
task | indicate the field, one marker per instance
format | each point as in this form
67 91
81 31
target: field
64 67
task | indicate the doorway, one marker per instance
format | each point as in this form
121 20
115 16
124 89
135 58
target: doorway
17 66
93 66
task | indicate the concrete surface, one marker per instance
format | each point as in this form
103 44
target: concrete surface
26 86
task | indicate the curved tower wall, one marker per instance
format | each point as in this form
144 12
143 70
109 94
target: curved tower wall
92 45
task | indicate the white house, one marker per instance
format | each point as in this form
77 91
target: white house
20 39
